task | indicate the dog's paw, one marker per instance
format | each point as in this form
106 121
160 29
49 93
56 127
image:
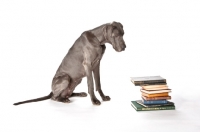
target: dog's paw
106 98
96 102
66 100
63 100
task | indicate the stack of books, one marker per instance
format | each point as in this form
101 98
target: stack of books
154 94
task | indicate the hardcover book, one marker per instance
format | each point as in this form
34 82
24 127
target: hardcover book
154 105
154 87
155 91
151 102
139 107
150 80
157 98
155 95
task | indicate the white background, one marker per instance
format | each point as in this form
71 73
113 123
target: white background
162 38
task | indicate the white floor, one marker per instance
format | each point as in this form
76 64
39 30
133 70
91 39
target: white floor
162 38
115 115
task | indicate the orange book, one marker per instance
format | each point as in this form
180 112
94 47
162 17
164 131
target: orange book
155 95
157 98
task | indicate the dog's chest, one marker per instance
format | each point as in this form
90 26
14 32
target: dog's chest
97 55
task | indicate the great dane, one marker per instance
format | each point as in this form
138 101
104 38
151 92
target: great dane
83 59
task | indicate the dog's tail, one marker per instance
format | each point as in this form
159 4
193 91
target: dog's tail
35 100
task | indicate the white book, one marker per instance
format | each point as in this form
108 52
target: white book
155 91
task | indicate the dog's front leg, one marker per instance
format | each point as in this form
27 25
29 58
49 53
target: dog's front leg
98 83
90 83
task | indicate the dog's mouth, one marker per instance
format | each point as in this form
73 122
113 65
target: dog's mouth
120 49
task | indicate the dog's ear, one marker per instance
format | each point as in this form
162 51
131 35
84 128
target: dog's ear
91 38
119 26
109 30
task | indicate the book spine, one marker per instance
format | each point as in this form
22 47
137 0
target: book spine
154 102
158 108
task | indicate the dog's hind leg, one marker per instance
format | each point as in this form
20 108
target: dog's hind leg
73 86
60 85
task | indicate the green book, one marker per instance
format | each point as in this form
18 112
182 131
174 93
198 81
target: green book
139 107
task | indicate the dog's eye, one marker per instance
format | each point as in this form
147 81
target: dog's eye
115 33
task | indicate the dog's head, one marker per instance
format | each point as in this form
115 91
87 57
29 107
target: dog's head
114 34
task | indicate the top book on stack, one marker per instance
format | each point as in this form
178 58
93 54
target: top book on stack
148 80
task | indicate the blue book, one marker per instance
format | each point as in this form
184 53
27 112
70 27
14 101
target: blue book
151 102
154 105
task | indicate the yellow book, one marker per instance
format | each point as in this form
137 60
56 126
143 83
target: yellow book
156 87
155 95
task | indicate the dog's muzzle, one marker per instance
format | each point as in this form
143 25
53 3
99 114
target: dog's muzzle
121 48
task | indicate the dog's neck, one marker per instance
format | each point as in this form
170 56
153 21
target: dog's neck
100 33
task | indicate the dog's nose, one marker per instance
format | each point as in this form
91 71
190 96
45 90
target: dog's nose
124 46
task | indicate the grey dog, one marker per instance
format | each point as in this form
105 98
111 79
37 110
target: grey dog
83 59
